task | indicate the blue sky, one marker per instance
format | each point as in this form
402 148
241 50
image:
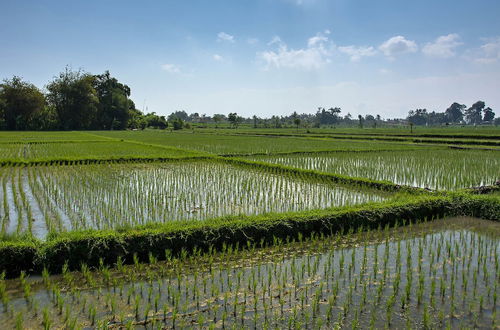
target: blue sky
265 57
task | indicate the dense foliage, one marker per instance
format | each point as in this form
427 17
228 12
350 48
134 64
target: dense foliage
75 100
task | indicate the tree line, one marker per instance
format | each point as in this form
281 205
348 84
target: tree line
74 100
457 113
77 100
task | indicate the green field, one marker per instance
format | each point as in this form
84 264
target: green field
226 143
250 228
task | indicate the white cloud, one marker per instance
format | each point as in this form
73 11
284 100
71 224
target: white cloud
489 52
275 40
443 46
398 45
223 36
171 68
314 56
357 52
218 58
318 38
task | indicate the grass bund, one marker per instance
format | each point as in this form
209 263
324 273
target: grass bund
249 229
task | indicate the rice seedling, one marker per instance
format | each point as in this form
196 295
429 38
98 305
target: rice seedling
434 169
294 283
54 199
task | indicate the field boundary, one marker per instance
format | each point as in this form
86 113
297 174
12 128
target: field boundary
414 140
411 135
93 247
92 160
53 142
320 152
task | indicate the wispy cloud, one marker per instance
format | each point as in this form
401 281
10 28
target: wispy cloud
489 52
275 40
218 58
225 37
384 71
171 68
357 52
443 46
398 45
314 56
319 38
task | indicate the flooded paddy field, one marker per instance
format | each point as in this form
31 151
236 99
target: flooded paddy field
37 200
437 274
434 169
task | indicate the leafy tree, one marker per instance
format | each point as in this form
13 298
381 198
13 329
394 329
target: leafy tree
473 115
217 118
489 115
328 117
234 119
73 96
455 113
136 119
276 121
418 116
114 105
370 120
177 123
436 118
296 119
20 100
155 121
194 117
44 120
182 115
3 105
360 119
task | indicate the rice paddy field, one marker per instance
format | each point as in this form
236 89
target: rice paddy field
39 200
258 229
434 169
429 275
226 143
82 150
